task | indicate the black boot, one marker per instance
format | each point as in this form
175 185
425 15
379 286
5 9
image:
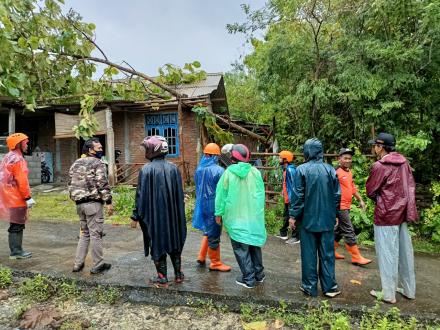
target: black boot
176 259
161 279
15 242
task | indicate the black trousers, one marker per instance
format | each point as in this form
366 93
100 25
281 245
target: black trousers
250 261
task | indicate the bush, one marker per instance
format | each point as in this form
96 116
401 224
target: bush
430 225
5 277
67 290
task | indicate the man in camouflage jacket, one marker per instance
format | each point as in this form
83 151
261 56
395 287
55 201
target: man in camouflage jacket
90 190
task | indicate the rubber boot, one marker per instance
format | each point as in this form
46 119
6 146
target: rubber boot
337 255
161 280
201 259
15 243
356 257
216 264
176 259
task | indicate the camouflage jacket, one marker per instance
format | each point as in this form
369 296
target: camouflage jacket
88 181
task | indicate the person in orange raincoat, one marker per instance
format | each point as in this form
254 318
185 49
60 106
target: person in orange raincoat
15 193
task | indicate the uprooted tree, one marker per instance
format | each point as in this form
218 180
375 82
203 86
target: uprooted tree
46 57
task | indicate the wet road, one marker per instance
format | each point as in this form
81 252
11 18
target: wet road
54 244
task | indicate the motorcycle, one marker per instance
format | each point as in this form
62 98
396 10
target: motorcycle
45 173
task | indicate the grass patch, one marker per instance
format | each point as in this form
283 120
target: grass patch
5 277
40 288
104 295
53 207
324 317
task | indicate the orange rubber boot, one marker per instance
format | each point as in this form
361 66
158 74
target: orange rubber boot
356 257
201 259
337 255
216 264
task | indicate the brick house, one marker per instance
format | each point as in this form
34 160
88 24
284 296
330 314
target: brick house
124 124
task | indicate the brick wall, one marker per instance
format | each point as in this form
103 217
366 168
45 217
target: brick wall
34 166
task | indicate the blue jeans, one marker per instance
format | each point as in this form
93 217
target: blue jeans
250 261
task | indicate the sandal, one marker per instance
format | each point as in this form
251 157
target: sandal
378 295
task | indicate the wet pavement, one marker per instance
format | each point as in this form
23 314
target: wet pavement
54 244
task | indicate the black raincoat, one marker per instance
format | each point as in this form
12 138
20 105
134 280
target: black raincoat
315 203
160 208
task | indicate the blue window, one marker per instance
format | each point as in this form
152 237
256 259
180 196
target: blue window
166 125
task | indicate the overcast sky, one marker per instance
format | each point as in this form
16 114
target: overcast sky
150 33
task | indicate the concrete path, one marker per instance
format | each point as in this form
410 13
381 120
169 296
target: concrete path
53 246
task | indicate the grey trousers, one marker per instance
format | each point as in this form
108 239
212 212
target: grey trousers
92 222
396 260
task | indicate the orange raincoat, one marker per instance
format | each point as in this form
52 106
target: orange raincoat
14 185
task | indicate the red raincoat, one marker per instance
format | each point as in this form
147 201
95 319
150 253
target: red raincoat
391 185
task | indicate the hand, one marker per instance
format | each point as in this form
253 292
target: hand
292 222
133 224
218 219
110 209
30 202
337 223
363 205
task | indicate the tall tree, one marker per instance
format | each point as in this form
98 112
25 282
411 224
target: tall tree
342 70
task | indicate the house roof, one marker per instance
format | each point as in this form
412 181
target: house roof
201 88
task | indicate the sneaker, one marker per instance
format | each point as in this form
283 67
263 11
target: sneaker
240 281
282 236
292 241
261 280
332 293
78 268
104 267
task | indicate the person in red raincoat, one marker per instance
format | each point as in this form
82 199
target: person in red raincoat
392 187
15 194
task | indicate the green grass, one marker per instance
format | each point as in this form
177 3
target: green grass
53 207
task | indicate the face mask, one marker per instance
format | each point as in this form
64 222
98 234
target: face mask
98 154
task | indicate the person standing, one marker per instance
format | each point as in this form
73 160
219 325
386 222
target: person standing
392 187
315 203
89 188
345 229
206 177
160 210
239 205
15 193
286 158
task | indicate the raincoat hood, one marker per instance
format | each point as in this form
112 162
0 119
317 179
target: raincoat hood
241 169
207 161
313 150
393 158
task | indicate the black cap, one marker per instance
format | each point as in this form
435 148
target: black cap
346 151
384 139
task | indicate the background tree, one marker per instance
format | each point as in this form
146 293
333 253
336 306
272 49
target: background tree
342 70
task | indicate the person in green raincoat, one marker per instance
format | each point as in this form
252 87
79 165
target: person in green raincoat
239 205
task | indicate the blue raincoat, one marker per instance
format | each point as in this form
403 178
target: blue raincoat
315 203
206 177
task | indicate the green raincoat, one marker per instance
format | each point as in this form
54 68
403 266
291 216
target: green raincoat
240 200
